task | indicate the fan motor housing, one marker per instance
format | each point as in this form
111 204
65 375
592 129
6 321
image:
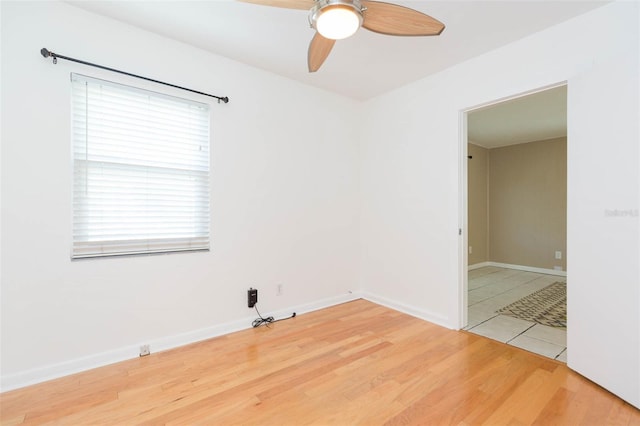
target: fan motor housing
352 7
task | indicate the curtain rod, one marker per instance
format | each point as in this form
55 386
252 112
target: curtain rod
47 53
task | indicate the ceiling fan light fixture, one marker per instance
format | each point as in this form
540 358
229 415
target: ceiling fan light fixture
336 19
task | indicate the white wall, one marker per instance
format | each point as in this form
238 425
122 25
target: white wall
410 181
284 201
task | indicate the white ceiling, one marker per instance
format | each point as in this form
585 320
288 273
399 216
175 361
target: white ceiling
361 67
535 117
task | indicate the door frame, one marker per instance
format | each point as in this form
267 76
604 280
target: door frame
463 191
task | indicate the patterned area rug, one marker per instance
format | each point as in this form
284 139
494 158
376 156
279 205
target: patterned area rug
547 306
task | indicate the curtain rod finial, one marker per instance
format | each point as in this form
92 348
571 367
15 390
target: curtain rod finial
44 52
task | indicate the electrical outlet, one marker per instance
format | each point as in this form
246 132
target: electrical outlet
252 297
558 255
557 268
470 250
280 289
145 350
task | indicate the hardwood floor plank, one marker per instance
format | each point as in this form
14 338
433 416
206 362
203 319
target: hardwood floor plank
618 416
355 363
555 410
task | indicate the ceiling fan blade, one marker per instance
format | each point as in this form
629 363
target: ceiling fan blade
287 4
319 49
392 19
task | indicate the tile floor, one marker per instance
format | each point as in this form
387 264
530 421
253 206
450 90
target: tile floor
492 288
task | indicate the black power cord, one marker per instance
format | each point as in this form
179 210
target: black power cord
268 320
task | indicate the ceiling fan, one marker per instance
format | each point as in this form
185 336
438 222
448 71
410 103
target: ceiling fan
338 19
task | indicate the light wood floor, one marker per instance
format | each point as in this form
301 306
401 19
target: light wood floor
356 363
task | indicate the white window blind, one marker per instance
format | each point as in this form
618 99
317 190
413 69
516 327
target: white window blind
140 171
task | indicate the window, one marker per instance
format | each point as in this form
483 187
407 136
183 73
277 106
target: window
140 171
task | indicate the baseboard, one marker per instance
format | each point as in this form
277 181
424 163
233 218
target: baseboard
54 371
478 265
409 310
42 374
519 268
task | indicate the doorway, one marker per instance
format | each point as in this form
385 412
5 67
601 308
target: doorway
515 205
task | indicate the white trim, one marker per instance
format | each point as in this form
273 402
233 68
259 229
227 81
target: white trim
478 265
37 375
461 297
516 96
410 310
519 268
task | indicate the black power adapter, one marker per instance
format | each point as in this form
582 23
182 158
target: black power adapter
252 301
252 297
